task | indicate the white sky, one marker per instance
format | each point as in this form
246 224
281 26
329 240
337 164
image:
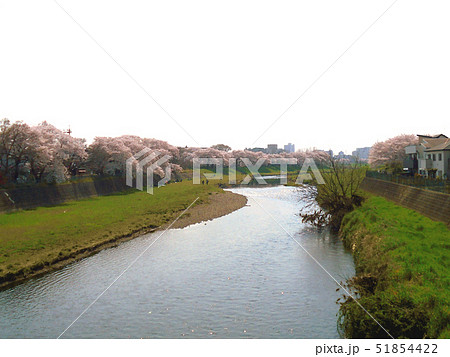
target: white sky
225 70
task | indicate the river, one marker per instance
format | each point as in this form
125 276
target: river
237 276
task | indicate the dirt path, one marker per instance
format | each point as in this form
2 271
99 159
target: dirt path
220 205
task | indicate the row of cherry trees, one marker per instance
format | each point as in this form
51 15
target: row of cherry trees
108 155
42 152
45 153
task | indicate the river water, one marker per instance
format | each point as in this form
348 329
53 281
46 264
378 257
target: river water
238 276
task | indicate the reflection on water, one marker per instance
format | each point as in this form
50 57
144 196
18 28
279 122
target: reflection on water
238 276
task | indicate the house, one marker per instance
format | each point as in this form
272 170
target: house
431 157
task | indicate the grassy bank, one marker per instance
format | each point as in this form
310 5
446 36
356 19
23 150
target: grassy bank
33 240
403 275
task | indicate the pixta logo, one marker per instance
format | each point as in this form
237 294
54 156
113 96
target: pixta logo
303 174
151 162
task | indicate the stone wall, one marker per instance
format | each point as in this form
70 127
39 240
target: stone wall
34 196
432 204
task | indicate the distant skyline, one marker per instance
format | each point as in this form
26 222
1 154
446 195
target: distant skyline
225 73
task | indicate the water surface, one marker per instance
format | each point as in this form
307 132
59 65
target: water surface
238 276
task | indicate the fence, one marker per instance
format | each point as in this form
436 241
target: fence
425 183
434 205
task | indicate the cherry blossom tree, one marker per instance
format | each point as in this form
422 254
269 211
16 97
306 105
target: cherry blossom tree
41 151
187 155
253 156
391 152
15 139
221 147
108 156
53 154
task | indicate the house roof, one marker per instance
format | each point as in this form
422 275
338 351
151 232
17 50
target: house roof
436 144
437 136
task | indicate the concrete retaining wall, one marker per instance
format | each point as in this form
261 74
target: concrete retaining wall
432 204
34 196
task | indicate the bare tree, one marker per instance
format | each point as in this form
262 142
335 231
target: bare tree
329 202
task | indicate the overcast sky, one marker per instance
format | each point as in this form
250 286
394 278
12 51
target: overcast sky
226 70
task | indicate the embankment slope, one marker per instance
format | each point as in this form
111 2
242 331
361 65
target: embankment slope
403 275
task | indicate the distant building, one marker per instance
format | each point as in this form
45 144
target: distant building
289 147
362 153
272 148
330 152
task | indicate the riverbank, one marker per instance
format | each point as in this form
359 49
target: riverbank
402 273
34 242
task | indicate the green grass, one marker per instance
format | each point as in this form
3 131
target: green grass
403 275
32 239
